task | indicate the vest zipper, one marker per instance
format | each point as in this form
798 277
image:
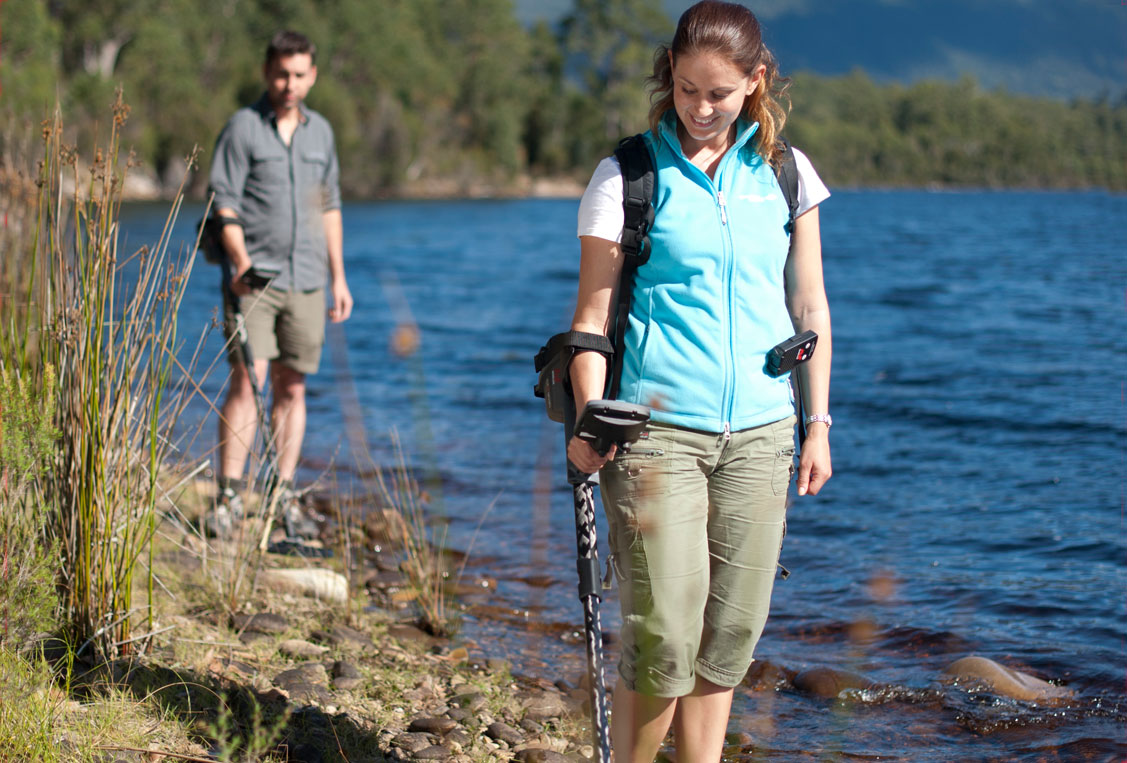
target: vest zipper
723 207
727 431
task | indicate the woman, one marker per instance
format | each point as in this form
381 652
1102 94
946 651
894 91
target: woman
696 509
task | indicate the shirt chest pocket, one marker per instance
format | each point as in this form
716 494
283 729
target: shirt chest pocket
269 168
314 164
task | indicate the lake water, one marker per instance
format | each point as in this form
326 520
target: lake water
977 507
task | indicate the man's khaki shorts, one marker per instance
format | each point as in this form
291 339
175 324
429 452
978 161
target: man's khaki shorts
696 526
287 326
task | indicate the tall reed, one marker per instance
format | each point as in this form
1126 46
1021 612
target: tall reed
107 325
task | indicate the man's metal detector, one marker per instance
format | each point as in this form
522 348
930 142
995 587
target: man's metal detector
603 423
257 279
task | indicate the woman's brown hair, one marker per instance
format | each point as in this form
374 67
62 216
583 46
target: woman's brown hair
732 31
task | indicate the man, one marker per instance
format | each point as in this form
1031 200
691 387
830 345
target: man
276 182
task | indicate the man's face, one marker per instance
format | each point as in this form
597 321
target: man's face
288 80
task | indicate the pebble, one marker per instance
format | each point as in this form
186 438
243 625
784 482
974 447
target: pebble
541 755
296 647
263 622
305 683
503 732
434 752
458 714
544 705
412 742
470 702
346 676
438 726
531 726
460 737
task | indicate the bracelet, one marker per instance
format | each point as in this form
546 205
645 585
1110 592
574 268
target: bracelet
825 418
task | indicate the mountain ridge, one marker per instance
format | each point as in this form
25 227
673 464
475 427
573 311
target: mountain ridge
1060 50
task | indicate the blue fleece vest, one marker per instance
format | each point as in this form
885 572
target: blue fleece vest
710 302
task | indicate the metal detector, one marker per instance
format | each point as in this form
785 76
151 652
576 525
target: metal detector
256 278
603 423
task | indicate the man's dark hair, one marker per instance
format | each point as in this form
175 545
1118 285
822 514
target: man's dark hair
287 43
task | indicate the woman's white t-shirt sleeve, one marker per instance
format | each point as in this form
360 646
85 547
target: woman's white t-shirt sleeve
811 190
600 209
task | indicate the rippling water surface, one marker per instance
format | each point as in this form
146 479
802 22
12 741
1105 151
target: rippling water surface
980 350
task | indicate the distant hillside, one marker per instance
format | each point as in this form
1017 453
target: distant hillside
1036 47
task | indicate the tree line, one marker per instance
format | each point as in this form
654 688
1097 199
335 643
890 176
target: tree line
452 93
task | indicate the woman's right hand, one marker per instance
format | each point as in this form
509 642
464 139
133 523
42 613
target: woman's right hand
580 453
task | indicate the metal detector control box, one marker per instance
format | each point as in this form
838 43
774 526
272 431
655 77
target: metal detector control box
610 422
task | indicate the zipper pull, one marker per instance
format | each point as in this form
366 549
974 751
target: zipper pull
727 431
723 208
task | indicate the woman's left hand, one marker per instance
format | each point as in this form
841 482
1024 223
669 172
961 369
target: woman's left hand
814 464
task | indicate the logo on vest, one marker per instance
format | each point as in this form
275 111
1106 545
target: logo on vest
756 198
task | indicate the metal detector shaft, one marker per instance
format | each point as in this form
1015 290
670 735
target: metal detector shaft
265 428
587 564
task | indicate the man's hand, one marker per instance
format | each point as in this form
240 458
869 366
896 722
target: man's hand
238 287
341 308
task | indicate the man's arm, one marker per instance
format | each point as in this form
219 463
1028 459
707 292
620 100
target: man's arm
341 308
229 169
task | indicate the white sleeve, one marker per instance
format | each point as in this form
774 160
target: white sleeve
600 209
811 190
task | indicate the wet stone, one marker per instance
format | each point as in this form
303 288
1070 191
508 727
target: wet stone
438 726
263 622
541 755
739 739
384 579
543 705
828 682
434 752
503 732
406 632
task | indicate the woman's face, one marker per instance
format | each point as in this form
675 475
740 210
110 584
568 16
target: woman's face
708 95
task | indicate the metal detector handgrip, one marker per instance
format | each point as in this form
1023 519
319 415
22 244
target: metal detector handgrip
609 422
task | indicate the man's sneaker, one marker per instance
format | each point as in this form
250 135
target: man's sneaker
296 522
227 510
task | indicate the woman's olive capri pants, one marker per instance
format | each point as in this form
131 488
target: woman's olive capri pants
696 525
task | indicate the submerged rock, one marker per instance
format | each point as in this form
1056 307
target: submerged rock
1005 681
828 682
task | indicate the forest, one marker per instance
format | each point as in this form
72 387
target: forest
442 96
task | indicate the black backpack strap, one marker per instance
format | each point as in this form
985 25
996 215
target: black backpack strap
638 180
787 174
